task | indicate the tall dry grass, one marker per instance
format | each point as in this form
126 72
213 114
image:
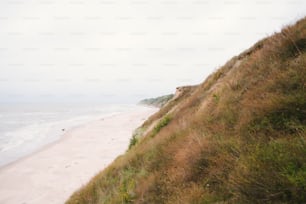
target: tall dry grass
239 137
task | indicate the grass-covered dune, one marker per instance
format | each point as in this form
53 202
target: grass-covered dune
239 137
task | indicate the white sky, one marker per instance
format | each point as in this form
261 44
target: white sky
124 50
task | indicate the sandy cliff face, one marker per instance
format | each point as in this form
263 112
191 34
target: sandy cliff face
181 90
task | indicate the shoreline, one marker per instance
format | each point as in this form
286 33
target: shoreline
52 173
61 137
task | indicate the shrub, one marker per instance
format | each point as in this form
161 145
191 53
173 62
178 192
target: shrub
135 137
133 141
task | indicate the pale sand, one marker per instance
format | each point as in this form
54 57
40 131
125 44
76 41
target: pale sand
52 174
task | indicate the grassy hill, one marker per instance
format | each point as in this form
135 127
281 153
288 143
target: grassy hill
239 137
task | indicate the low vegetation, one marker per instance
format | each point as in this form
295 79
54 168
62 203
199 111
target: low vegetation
157 102
162 123
239 137
137 134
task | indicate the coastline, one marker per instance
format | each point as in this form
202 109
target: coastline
53 173
61 138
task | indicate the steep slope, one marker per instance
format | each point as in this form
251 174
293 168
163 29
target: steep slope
239 137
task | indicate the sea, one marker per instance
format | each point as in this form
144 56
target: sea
26 128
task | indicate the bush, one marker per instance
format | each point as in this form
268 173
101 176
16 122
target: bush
133 141
135 138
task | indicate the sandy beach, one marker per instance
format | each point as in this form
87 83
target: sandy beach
53 173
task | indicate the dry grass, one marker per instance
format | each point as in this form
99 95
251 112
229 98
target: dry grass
239 137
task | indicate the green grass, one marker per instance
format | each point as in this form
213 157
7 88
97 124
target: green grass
273 172
162 123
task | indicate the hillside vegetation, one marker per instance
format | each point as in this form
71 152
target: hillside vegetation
158 101
239 137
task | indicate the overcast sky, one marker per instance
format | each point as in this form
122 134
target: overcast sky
124 50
